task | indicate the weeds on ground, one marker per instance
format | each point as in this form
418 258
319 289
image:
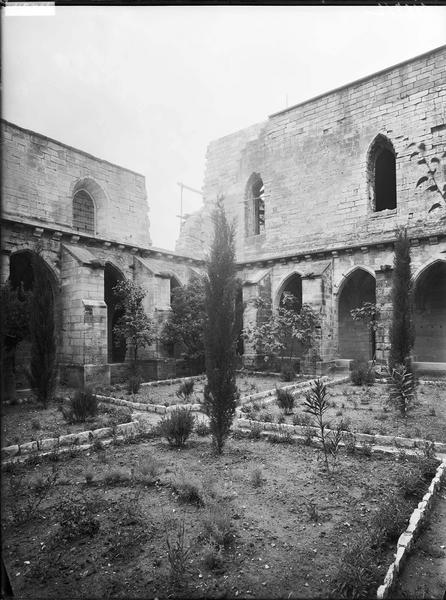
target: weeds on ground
177 553
202 429
77 517
134 384
147 470
361 373
281 436
188 492
218 525
212 558
34 492
255 432
116 477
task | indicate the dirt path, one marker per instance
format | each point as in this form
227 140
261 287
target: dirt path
424 575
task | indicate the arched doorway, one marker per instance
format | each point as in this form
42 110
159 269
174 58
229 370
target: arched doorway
291 289
116 347
21 280
355 339
430 314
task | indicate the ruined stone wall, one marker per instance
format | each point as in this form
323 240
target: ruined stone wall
313 159
40 177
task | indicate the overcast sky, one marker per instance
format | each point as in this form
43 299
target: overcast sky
149 87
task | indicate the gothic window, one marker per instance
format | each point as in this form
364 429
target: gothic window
382 174
255 206
83 212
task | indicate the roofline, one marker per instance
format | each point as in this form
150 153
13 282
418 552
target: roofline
357 81
45 137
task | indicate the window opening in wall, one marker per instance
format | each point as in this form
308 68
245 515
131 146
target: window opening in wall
83 212
382 174
259 207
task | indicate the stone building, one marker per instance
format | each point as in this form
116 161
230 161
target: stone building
318 192
88 221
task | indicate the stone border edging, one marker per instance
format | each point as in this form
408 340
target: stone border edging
157 382
300 432
407 539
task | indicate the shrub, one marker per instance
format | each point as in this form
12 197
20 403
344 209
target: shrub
188 492
147 470
302 419
256 478
285 400
89 477
218 526
266 417
82 405
116 477
177 427
212 559
391 519
362 373
255 432
202 429
281 437
287 373
134 384
185 390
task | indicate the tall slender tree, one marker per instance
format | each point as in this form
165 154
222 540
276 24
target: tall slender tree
220 393
401 331
43 368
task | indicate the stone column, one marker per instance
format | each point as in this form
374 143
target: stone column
384 306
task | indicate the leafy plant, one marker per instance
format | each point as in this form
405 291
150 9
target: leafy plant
133 326
256 478
218 525
185 390
134 383
185 324
401 389
361 373
368 313
220 392
177 427
147 470
287 373
188 492
202 429
285 400
83 404
430 180
316 404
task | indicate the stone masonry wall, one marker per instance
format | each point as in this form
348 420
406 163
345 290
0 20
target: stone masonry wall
41 175
313 159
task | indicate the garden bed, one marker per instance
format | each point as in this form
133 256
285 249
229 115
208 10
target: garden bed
282 523
26 422
165 394
365 410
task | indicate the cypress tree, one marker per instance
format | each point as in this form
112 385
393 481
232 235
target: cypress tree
220 393
401 331
43 367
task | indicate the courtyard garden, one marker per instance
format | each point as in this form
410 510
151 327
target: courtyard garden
150 520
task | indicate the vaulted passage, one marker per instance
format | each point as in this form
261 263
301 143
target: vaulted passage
430 315
115 347
293 287
355 340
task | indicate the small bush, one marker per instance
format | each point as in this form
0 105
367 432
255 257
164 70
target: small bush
89 477
116 477
302 420
134 384
266 417
35 424
350 443
218 525
202 429
256 478
287 373
212 559
281 437
255 432
285 400
185 390
147 470
188 492
83 404
177 427
361 373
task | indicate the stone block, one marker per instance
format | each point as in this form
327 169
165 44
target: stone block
127 429
28 447
71 439
9 451
403 442
49 444
405 540
104 432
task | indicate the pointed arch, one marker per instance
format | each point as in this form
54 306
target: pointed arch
116 349
254 205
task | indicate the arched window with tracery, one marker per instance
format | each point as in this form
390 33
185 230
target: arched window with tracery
255 205
83 212
382 174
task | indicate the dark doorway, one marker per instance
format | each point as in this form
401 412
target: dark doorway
116 347
430 315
